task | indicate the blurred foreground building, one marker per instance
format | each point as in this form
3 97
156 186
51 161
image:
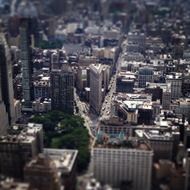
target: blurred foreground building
42 173
65 162
10 184
19 146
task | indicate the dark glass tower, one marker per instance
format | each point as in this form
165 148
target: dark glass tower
26 60
28 27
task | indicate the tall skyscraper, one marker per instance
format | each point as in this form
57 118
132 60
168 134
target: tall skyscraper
6 85
96 87
28 23
27 87
62 89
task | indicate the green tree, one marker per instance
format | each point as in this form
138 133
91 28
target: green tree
70 134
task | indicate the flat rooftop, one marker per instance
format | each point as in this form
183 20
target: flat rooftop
21 133
133 104
9 184
24 139
173 76
156 85
97 68
157 135
121 142
143 101
64 159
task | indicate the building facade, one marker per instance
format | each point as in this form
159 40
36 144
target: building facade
42 88
62 90
6 86
186 84
112 165
4 115
26 60
176 85
66 162
187 171
166 98
96 87
28 37
41 173
161 143
19 147
145 75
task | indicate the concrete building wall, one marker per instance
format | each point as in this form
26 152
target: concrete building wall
7 94
62 90
115 165
17 150
176 87
166 100
4 124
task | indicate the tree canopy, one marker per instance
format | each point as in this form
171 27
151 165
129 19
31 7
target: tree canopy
65 131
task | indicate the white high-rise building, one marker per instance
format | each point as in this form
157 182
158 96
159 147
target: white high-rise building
116 161
96 87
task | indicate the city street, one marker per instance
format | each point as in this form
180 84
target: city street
91 121
106 106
